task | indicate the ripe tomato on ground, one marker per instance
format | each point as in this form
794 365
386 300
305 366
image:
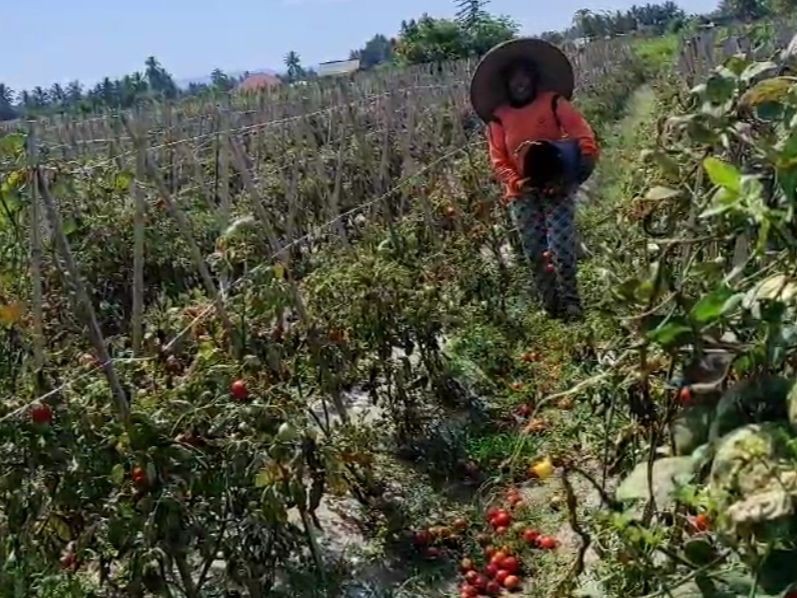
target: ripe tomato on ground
531 536
41 414
239 390
547 542
501 576
510 564
468 591
502 519
498 558
512 582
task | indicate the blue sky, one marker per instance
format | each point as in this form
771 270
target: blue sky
53 40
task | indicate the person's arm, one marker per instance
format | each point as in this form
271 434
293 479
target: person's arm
501 161
577 127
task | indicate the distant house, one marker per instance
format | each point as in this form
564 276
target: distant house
259 82
337 68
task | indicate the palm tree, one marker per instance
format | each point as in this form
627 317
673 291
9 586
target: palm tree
583 20
6 94
294 64
470 12
39 97
7 111
57 94
74 92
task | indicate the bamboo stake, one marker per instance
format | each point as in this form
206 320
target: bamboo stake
82 301
137 323
35 255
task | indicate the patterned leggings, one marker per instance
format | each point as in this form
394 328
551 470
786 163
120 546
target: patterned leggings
548 235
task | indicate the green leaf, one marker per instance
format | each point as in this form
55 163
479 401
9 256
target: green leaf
123 180
737 64
720 89
667 164
699 551
12 145
70 226
118 474
711 306
671 333
723 174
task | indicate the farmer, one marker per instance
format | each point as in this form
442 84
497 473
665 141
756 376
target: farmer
541 149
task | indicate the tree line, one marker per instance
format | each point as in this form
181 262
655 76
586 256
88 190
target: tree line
427 39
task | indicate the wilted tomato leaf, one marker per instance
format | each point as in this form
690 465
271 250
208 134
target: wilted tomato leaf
11 313
660 193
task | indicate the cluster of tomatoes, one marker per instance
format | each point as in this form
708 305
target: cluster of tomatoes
503 569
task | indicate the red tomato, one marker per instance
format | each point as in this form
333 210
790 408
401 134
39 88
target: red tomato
490 551
547 542
460 524
491 512
502 519
422 538
547 255
139 476
685 396
501 576
432 552
510 564
530 536
512 582
471 577
498 558
493 588
500 531
465 565
550 268
480 583
239 391
469 591
700 522
491 570
41 414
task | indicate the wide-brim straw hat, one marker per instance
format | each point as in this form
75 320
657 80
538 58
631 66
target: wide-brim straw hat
488 88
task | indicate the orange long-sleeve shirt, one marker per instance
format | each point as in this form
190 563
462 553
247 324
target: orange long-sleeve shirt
533 122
